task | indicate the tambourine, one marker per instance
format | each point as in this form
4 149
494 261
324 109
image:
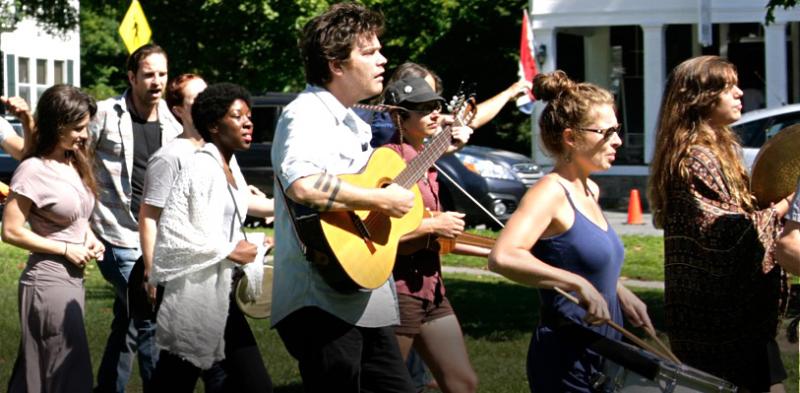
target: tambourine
262 306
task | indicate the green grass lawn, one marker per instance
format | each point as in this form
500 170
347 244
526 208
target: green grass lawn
644 256
497 317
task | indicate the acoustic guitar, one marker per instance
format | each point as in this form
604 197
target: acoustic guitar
356 250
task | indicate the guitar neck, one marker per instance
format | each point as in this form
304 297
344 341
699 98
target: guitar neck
417 167
475 240
433 150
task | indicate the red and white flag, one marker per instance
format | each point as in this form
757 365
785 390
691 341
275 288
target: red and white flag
527 63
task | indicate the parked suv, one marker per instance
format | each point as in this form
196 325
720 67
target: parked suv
495 178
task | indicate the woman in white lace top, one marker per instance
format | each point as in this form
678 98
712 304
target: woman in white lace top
199 245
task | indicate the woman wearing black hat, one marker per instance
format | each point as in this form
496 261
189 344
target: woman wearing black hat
427 321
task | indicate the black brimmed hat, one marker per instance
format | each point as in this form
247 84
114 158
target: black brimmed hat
410 90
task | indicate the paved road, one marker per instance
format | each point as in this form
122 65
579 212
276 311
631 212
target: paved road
619 221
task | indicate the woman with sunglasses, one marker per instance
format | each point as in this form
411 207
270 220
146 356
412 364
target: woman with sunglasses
722 287
427 321
559 238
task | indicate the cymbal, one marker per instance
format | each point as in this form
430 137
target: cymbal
777 166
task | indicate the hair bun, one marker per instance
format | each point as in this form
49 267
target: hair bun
547 87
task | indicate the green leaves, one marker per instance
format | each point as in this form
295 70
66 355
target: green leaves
786 4
254 43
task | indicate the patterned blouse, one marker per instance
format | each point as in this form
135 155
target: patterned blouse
722 287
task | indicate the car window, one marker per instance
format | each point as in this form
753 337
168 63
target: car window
265 119
752 134
781 122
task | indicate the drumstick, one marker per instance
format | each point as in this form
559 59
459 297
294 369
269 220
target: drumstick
663 346
630 336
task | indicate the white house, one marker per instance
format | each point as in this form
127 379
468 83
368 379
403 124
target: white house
34 60
629 46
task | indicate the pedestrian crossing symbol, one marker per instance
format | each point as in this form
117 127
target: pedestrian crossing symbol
134 29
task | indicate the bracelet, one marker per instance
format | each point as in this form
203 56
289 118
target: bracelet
66 246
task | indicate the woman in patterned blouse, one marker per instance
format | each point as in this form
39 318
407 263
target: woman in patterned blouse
722 287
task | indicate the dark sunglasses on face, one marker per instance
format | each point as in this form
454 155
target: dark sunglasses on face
605 132
426 108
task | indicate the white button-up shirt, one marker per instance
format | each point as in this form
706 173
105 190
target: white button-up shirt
317 134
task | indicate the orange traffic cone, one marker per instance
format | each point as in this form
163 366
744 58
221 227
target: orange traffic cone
635 209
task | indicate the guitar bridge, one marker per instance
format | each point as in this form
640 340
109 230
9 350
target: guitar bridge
362 229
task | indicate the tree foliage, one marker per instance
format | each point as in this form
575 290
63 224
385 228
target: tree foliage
254 43
773 4
55 16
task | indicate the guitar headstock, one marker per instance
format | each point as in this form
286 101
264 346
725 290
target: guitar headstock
462 105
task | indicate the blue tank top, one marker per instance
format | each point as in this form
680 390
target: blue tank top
591 252
556 363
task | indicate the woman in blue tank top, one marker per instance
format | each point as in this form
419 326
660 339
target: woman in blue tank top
558 237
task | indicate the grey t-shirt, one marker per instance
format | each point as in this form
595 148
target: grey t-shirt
794 208
163 169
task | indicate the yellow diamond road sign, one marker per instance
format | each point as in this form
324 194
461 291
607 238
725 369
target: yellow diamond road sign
134 29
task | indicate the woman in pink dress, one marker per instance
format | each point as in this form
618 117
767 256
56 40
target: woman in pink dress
53 191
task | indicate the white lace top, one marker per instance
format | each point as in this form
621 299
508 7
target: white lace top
196 232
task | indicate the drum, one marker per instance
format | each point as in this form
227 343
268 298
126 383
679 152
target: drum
668 377
259 309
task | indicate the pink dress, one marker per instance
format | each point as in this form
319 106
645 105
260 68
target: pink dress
54 351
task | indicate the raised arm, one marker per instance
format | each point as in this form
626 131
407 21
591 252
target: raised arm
488 109
12 143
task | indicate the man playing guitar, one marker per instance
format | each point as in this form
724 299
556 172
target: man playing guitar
342 341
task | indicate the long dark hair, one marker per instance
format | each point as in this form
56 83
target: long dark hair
58 107
691 93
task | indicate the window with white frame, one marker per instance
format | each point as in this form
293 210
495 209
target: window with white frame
41 77
34 76
24 79
58 72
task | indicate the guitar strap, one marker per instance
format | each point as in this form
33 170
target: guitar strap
310 253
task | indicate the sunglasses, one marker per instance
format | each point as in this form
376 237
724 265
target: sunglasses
605 132
426 108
